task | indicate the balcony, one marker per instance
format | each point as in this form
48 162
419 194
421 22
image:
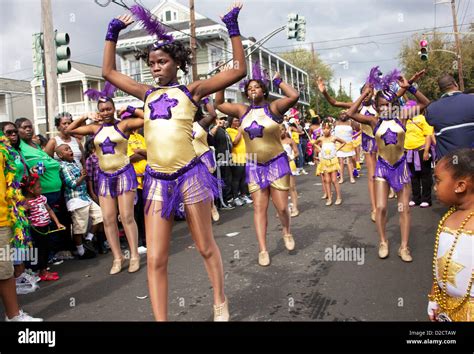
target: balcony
76 109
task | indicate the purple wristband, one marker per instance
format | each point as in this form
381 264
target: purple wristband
205 100
115 26
277 82
231 22
412 89
129 112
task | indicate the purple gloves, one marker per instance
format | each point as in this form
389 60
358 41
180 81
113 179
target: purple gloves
129 112
412 89
277 81
115 26
231 22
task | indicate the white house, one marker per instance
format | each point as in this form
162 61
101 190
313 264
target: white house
15 100
71 87
213 45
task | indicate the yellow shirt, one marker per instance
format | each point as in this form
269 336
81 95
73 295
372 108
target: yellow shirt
137 141
238 151
417 130
3 191
296 137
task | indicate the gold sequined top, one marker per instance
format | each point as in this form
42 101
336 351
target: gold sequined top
261 134
111 148
169 115
200 139
390 137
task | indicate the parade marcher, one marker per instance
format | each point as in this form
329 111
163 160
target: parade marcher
267 168
174 174
391 168
117 182
329 163
292 152
452 294
201 126
343 130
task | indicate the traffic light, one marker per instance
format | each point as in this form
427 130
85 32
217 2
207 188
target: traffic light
38 63
423 49
301 30
63 53
292 27
296 27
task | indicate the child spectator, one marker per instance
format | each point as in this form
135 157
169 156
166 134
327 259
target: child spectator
78 202
40 216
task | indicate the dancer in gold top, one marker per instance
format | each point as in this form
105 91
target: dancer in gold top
267 168
117 179
175 174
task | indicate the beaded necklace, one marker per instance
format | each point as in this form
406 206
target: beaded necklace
440 296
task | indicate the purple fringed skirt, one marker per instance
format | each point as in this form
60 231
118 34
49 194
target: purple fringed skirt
117 183
191 184
263 174
368 143
396 176
209 160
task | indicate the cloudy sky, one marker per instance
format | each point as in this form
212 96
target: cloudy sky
362 32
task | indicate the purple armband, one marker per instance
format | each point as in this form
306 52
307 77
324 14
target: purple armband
129 112
277 82
231 22
115 26
412 89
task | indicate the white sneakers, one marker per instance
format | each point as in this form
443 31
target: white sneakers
26 284
142 250
246 199
23 317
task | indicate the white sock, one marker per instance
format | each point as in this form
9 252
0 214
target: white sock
80 250
89 236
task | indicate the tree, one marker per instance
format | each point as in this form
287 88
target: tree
438 63
314 66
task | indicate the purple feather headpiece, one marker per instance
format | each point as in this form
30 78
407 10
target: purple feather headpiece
105 95
380 82
258 73
152 25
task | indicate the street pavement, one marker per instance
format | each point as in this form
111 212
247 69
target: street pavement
306 284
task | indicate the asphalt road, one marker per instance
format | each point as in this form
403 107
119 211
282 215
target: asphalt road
302 285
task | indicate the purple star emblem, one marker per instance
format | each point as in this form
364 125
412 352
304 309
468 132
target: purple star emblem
161 107
389 137
108 146
255 130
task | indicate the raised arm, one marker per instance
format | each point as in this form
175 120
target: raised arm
230 109
332 101
79 127
422 100
109 71
352 111
210 119
202 88
281 105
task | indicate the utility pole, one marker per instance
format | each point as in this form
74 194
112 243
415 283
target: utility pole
315 78
350 90
50 65
458 45
340 86
193 39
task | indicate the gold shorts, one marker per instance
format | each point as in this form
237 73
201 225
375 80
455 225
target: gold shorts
282 184
80 218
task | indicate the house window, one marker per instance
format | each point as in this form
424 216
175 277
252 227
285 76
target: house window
135 70
168 16
3 104
216 56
